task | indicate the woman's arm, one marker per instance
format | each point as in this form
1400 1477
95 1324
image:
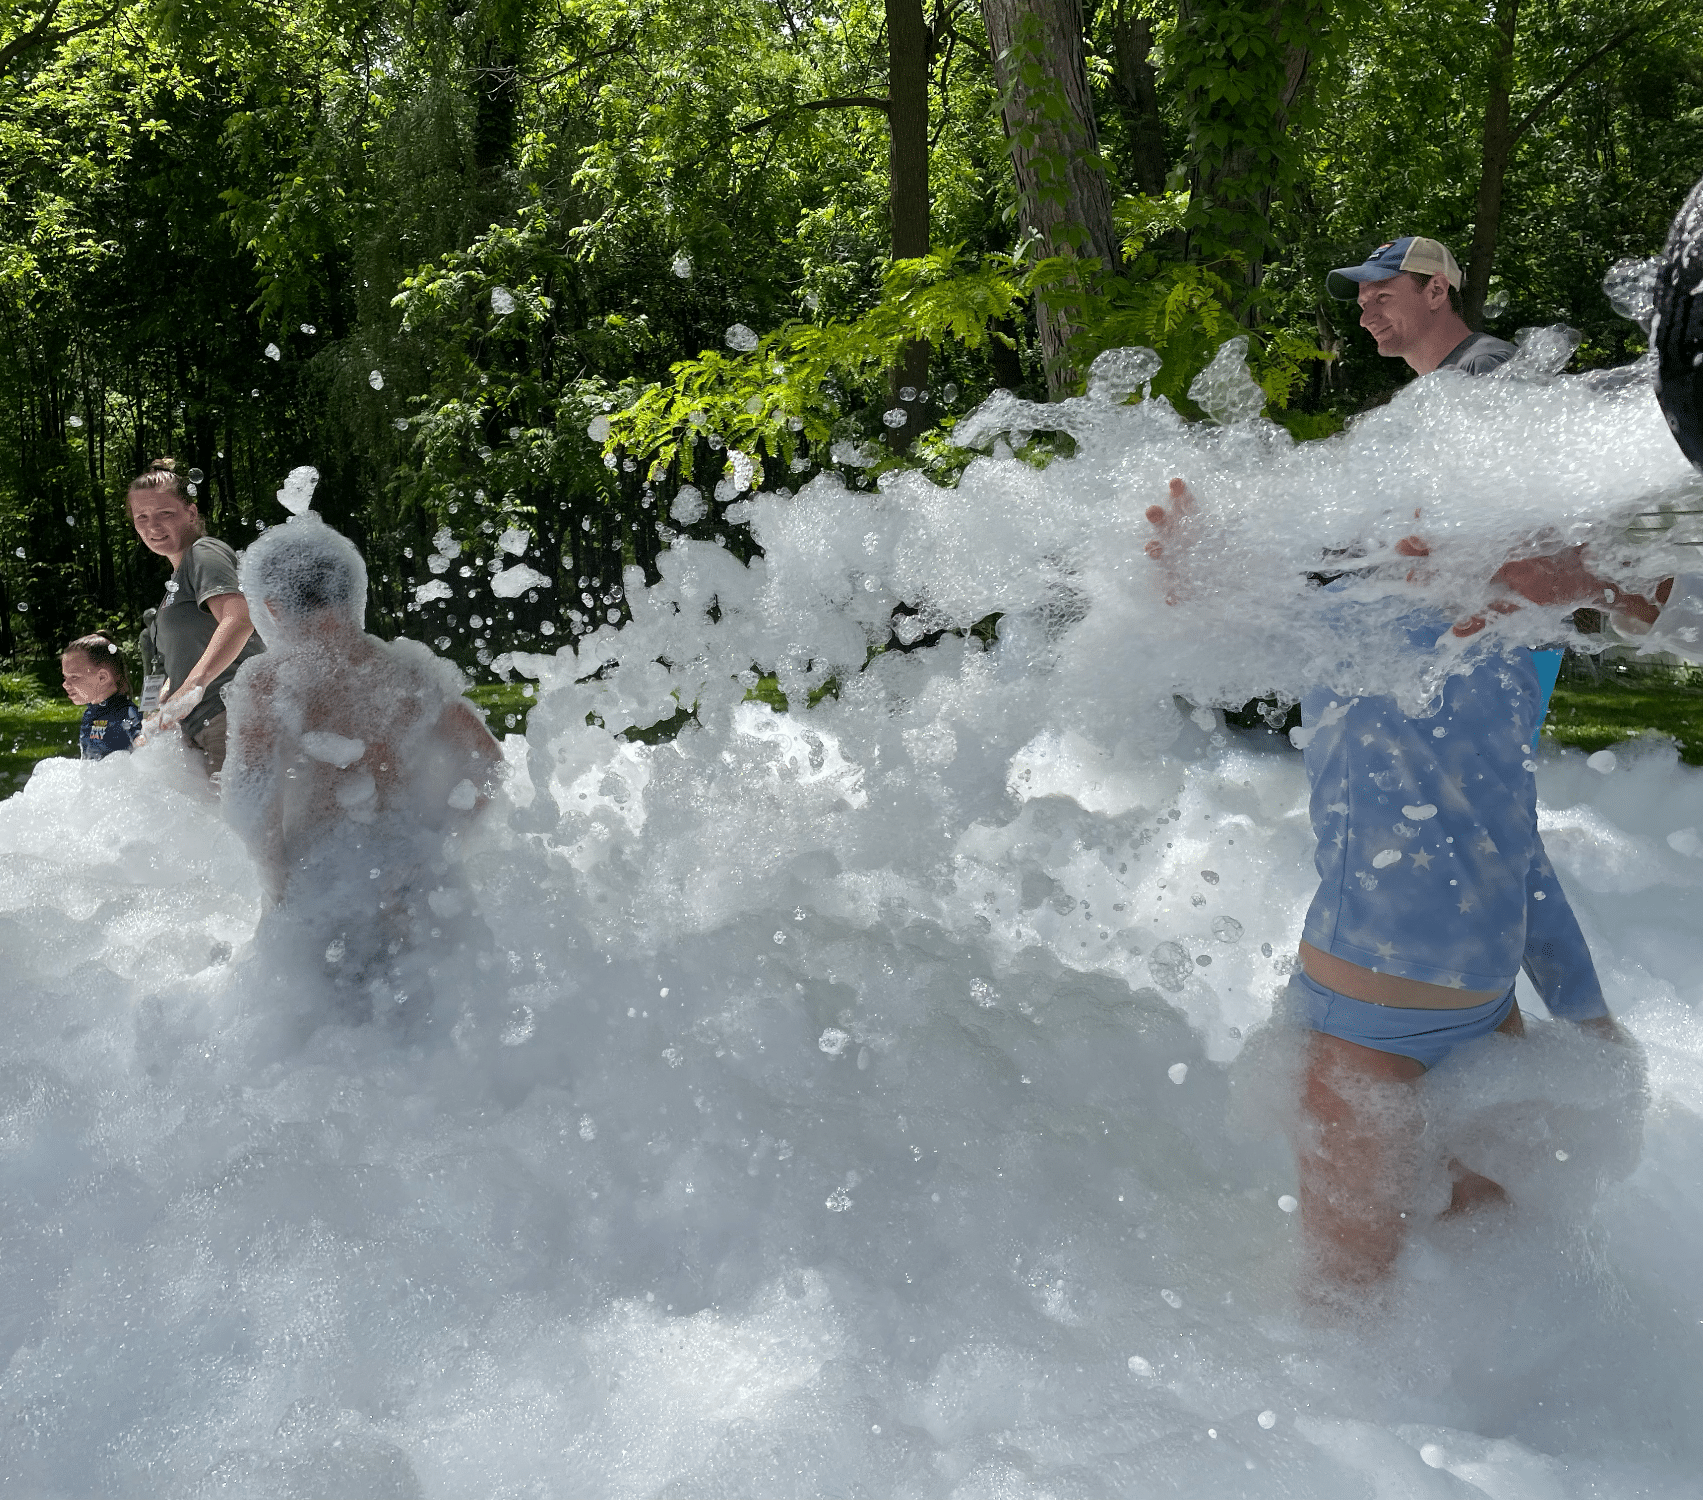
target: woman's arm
229 637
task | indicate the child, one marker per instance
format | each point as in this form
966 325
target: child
93 670
354 765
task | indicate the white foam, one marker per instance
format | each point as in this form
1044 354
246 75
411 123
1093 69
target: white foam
803 1126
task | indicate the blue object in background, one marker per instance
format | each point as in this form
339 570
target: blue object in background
1548 667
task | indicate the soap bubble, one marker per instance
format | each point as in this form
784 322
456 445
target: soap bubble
1224 390
309 328
502 301
1115 374
1177 1072
1227 929
1630 287
297 493
597 429
1267 1420
73 420
400 424
740 338
682 265
375 378
907 394
273 352
1170 966
689 505
195 476
895 416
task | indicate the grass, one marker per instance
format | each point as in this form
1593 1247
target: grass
1595 715
37 721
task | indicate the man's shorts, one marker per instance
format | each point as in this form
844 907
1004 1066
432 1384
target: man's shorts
1427 1036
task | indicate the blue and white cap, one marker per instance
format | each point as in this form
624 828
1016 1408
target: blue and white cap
1410 253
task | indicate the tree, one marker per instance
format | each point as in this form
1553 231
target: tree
1064 201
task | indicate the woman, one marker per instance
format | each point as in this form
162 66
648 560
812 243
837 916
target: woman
202 632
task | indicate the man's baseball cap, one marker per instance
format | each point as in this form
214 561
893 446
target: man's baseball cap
1410 253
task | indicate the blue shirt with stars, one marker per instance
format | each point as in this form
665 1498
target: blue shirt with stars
1429 859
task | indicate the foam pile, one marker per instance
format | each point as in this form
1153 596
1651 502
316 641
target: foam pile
876 1098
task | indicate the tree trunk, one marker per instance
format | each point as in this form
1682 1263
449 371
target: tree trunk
1063 198
910 51
1238 148
1130 35
1498 148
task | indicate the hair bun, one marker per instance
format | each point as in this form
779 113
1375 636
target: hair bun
163 465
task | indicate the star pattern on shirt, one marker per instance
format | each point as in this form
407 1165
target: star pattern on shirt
1422 859
1386 950
1486 845
1467 903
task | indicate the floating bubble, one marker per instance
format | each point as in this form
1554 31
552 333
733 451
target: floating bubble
502 301
597 429
1115 375
1170 966
400 424
1288 1203
895 416
1224 389
1177 1072
682 266
1170 1298
1603 762
689 505
273 352
375 378
1227 929
297 493
1267 1420
907 394
1140 1366
73 420
741 338
949 391
833 1041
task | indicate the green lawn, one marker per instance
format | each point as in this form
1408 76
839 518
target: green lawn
36 721
1594 716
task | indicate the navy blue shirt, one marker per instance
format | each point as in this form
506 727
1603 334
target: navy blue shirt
109 726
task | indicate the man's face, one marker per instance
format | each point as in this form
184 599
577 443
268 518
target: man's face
1398 312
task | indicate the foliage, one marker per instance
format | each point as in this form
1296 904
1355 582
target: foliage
183 186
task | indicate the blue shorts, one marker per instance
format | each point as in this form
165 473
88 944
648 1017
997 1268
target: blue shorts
1427 1036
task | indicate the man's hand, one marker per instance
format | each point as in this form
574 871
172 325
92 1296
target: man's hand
1561 578
1170 547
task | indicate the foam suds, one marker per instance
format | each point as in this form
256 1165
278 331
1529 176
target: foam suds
878 1098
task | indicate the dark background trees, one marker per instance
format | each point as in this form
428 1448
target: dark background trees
521 216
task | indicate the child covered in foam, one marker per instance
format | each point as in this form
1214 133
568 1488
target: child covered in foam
354 766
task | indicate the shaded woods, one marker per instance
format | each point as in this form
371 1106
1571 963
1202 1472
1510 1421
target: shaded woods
435 250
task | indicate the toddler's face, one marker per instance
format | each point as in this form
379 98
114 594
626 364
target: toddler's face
84 681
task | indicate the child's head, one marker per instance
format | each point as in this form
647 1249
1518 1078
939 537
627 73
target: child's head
93 669
302 574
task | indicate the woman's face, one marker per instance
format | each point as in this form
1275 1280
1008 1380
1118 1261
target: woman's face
163 521
85 682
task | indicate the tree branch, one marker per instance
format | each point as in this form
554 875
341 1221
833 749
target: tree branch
27 39
847 101
1566 83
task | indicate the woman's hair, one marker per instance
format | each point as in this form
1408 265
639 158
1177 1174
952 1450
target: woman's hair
162 474
103 651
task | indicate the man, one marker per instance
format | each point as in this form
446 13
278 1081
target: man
1410 302
1434 886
